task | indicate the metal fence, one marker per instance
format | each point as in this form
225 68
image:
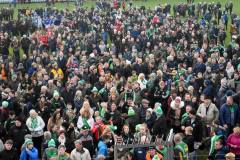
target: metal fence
168 145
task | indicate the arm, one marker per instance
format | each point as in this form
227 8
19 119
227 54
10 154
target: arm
199 111
23 155
28 123
79 123
222 113
88 157
216 113
42 124
72 157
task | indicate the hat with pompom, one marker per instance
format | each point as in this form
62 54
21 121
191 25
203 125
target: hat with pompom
51 143
131 112
5 104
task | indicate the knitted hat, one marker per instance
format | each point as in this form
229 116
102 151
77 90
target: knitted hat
81 82
4 104
85 127
112 128
94 89
51 143
55 93
158 110
238 67
131 112
155 158
28 141
137 128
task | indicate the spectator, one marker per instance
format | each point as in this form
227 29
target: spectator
79 152
233 142
9 153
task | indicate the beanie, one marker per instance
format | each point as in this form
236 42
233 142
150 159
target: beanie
51 143
28 141
4 104
131 112
112 128
55 93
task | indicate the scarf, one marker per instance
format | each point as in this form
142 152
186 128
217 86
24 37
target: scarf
34 123
61 141
85 123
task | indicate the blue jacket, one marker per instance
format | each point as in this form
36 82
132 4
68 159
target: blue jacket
102 149
29 155
225 114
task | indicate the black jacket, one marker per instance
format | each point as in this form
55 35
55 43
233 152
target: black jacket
197 128
17 135
9 155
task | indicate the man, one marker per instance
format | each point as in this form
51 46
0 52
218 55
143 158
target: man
219 151
36 125
208 112
51 152
195 122
80 152
87 139
180 149
229 115
230 156
9 153
17 133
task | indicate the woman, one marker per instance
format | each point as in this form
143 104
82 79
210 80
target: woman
42 109
35 125
55 120
29 152
127 136
78 101
175 113
85 118
233 142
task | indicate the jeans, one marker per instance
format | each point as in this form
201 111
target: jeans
193 155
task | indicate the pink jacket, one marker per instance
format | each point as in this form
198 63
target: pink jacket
234 139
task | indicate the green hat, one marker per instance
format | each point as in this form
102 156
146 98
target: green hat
81 82
51 143
112 128
131 112
238 67
5 104
137 128
158 110
28 141
55 93
94 89
85 127
156 157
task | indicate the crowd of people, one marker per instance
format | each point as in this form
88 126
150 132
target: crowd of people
76 83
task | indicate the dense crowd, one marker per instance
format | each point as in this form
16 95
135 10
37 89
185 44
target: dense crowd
75 83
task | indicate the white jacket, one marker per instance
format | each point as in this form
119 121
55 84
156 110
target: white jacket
37 132
80 156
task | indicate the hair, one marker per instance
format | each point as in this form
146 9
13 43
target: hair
47 135
236 130
192 111
189 130
54 120
177 138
